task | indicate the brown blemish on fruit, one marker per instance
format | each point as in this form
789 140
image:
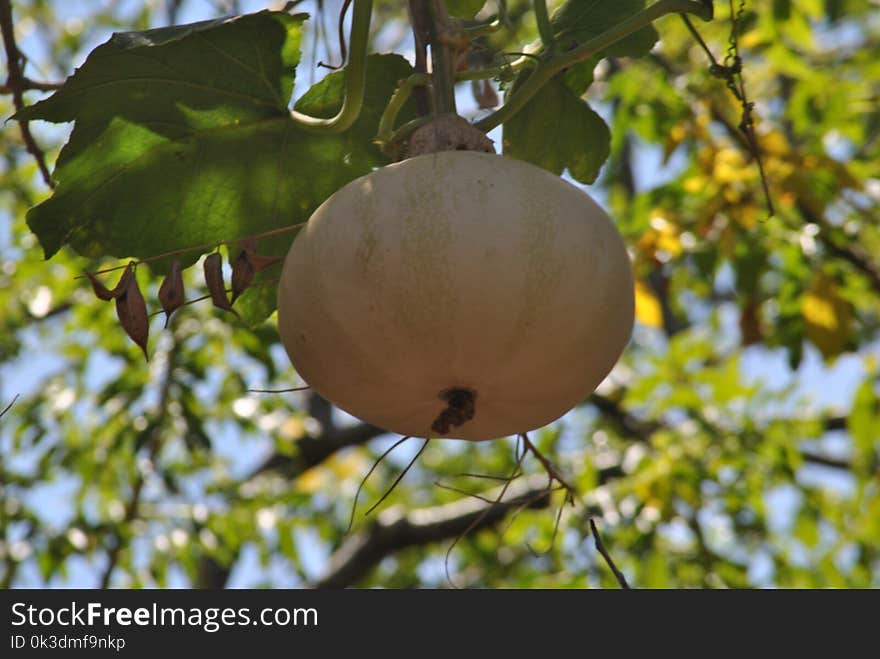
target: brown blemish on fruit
460 408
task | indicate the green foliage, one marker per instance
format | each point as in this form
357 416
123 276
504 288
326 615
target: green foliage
735 444
154 113
578 21
185 133
558 130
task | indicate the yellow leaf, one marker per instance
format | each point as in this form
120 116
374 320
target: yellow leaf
648 309
748 216
774 143
751 39
695 184
348 464
828 316
312 480
333 470
292 428
661 240
730 166
677 135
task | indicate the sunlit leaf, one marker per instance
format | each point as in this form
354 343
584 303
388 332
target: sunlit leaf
648 309
827 315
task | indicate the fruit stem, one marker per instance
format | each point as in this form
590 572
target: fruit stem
442 59
545 29
355 77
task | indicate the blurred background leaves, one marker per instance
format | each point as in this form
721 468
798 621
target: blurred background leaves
735 445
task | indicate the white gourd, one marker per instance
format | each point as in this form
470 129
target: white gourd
456 294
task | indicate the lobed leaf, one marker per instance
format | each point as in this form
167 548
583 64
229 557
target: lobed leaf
557 130
183 137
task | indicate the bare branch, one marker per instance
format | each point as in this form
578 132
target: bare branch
27 84
395 530
600 547
9 406
552 471
16 84
825 461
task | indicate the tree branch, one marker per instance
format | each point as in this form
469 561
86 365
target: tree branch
600 547
26 84
850 252
632 427
395 530
312 451
9 406
16 83
361 552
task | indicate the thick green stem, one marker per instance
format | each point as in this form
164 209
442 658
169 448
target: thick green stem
442 60
553 64
545 30
502 72
355 76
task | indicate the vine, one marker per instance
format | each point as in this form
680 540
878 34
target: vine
731 73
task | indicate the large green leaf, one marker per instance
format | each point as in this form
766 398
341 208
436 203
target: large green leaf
558 131
578 21
183 137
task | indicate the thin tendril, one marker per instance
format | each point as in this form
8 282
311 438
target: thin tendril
398 479
482 515
343 47
460 491
364 480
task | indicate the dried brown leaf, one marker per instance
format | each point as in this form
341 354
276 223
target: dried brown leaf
104 293
259 263
214 279
101 291
242 274
124 281
132 310
484 94
171 293
256 261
